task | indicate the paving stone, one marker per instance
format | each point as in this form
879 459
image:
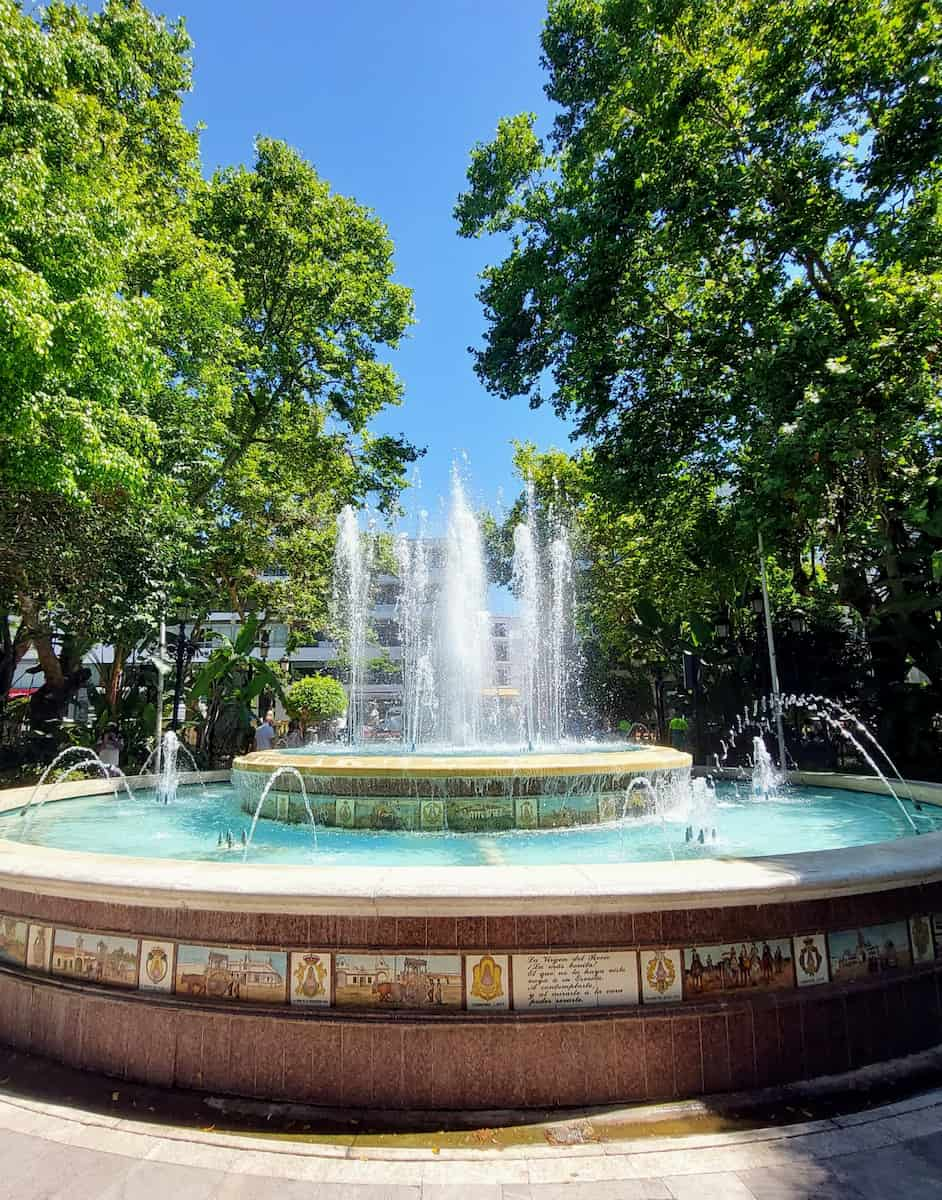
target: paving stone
895 1171
456 1191
612 1189
34 1169
148 1179
722 1186
929 1149
797 1183
251 1187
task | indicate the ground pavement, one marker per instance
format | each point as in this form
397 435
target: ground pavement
49 1151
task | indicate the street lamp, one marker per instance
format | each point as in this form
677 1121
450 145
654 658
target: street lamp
721 626
798 621
773 668
180 620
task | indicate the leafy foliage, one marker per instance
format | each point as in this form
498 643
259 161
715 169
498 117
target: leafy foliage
725 265
316 698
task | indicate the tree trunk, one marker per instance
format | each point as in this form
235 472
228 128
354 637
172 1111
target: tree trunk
113 686
41 638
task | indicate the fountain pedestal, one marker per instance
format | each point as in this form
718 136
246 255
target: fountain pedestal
458 792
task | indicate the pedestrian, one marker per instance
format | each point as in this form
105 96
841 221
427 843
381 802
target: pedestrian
265 734
109 747
294 738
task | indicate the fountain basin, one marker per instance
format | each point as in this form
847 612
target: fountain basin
472 791
550 986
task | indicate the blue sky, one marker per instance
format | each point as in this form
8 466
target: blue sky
386 99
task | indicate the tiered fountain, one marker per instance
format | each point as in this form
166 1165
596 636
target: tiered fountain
471 756
792 936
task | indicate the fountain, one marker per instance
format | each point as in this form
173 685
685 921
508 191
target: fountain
85 758
451 768
291 773
165 756
550 950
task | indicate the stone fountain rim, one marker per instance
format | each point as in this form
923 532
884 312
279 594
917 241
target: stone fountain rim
473 766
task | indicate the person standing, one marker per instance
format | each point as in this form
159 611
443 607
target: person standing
109 747
265 734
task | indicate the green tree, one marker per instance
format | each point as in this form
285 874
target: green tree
188 370
725 264
316 699
229 682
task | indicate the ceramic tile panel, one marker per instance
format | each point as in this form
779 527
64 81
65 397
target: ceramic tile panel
920 935
432 814
811 959
765 964
310 978
564 812
39 947
581 979
661 976
401 980
487 980
13 940
526 812
869 951
231 973
156 971
95 957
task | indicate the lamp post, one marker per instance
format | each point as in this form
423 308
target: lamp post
178 683
773 667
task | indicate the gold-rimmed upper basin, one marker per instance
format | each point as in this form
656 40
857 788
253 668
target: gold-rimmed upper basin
469 766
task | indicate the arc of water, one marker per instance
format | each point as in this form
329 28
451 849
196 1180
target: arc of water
168 777
836 725
642 783
91 760
293 773
81 751
846 713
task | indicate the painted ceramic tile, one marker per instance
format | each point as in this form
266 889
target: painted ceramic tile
96 957
39 949
156 973
811 959
487 980
345 806
433 814
416 980
525 812
310 978
937 933
585 979
325 809
611 806
563 812
467 813
737 967
386 812
920 933
863 953
660 976
226 973
13 937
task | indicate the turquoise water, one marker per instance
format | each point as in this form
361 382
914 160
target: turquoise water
799 819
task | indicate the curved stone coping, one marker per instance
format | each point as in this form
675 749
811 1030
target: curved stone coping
45 1135
11 798
471 891
474 766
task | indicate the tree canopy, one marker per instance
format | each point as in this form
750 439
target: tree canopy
188 367
725 265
